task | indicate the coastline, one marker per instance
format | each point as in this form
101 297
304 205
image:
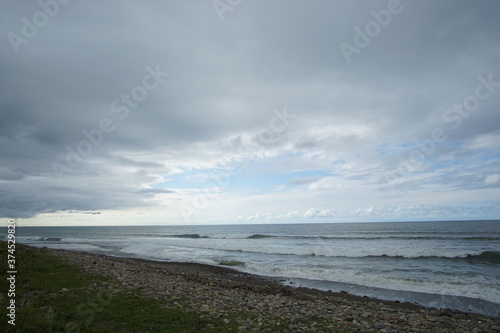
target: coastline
424 263
216 290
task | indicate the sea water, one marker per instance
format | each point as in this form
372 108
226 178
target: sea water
449 264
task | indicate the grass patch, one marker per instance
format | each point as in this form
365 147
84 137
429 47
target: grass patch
53 295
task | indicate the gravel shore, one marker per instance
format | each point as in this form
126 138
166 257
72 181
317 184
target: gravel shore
221 292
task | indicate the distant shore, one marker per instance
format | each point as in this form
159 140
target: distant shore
219 290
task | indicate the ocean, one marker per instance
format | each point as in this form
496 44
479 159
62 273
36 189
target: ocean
449 264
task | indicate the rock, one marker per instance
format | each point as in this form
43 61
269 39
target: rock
210 295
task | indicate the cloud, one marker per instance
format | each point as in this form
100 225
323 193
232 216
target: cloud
485 141
491 179
381 213
353 127
311 213
304 181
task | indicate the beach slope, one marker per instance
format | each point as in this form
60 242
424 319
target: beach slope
224 299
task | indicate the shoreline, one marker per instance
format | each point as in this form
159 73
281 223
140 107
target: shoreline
427 300
215 289
408 299
273 282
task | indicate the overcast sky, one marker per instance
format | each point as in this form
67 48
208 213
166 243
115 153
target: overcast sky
194 112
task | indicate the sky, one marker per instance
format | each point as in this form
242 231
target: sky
233 111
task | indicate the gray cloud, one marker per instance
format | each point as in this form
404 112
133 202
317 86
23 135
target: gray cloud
356 120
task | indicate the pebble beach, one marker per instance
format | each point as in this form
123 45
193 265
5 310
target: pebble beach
220 291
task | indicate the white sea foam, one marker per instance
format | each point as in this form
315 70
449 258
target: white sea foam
72 247
457 259
328 249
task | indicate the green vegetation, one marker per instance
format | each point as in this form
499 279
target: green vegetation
55 296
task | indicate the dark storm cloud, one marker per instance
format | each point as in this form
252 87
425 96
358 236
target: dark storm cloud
224 79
